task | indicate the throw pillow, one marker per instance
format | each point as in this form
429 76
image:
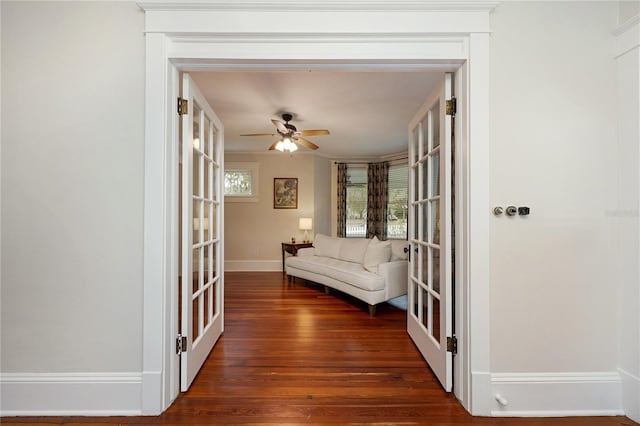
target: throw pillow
377 252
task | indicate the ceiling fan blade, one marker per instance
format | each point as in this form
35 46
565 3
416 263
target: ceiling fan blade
280 126
306 143
273 145
314 132
259 134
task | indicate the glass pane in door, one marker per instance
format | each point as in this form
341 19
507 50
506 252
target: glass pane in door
205 136
435 270
415 148
207 268
425 180
435 121
435 318
196 172
434 225
426 143
207 172
424 301
195 329
214 222
214 260
435 175
424 258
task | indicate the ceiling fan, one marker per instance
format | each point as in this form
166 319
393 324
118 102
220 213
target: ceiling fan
290 135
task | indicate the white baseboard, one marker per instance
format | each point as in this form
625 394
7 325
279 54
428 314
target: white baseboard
630 395
253 265
557 394
481 394
70 394
151 402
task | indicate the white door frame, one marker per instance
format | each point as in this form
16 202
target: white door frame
227 35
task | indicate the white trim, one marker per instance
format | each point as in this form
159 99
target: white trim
358 39
253 265
557 394
341 22
70 394
159 215
329 5
461 370
630 394
477 237
627 36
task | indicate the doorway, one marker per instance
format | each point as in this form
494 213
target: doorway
201 40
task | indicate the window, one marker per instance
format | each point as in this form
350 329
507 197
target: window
241 182
397 202
238 182
356 202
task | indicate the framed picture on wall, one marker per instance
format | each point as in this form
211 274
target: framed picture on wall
285 193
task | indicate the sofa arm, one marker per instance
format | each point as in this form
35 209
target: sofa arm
307 251
395 276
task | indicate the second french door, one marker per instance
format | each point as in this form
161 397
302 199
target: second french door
429 315
201 294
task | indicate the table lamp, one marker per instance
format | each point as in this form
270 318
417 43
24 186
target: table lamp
305 224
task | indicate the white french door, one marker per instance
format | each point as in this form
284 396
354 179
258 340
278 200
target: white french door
429 314
202 202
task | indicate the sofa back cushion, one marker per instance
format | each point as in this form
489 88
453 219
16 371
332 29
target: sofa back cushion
353 249
327 246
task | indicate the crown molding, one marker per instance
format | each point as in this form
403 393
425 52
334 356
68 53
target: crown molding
626 25
320 5
627 36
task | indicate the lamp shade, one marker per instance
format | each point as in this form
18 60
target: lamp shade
305 223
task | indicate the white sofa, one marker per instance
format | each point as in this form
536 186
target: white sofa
370 270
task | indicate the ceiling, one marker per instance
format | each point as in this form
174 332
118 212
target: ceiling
367 113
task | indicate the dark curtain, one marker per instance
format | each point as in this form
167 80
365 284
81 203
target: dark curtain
342 199
377 193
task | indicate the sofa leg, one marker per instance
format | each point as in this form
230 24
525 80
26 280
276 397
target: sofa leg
372 310
326 289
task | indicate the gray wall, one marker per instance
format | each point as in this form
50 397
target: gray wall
72 186
553 134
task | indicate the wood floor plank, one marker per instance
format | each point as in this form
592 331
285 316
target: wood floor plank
291 354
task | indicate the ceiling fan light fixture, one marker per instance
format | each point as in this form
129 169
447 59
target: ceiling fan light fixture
286 145
290 135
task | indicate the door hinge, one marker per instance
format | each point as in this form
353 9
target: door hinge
181 344
452 345
450 107
183 106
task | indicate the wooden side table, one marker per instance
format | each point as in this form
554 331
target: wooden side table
293 248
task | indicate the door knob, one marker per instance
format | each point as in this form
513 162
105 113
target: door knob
512 211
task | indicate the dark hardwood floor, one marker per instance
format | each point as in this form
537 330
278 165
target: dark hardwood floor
291 354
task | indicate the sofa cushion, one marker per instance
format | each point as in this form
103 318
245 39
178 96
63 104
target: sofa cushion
353 249
377 252
397 249
327 246
347 272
